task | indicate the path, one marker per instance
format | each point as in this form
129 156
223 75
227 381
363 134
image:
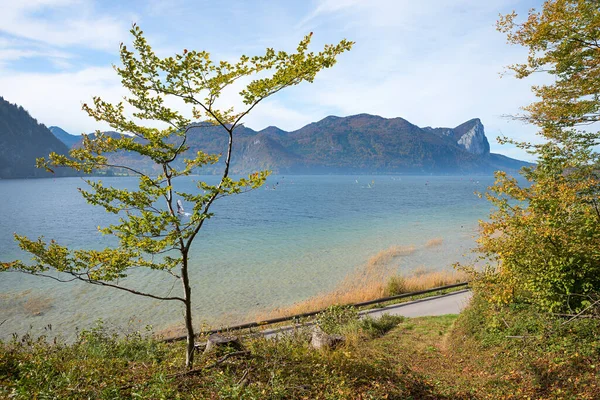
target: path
451 303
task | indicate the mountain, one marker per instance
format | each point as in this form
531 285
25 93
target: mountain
469 135
360 143
68 139
22 140
356 144
368 143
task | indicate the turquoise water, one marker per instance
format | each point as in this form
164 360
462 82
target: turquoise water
263 249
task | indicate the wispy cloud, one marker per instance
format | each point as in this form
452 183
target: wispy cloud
15 49
61 23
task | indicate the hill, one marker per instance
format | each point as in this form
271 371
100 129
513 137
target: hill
22 140
359 144
68 139
356 144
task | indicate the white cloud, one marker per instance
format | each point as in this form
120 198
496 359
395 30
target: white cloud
61 23
14 50
430 62
274 112
56 99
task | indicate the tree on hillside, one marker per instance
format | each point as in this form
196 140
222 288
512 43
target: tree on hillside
154 231
545 234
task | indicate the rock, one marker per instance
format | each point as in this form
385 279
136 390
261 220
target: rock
472 137
217 341
322 340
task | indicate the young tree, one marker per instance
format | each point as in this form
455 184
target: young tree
151 231
545 235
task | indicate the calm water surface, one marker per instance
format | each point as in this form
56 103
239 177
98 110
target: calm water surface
261 250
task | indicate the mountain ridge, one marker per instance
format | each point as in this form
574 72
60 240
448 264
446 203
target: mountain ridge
361 143
68 139
17 127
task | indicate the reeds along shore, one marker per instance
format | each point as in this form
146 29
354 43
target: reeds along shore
376 279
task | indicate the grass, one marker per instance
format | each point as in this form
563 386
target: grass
370 287
101 366
447 357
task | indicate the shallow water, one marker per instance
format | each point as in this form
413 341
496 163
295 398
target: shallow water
263 249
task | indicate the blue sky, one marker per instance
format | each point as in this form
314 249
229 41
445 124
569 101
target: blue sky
432 62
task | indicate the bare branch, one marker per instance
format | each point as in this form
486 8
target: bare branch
581 312
81 277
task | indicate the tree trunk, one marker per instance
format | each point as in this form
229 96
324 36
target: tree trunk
189 356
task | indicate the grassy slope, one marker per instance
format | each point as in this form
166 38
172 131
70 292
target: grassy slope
432 357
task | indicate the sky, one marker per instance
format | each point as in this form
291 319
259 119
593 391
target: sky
432 62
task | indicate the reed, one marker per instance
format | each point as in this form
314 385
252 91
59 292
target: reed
434 242
376 279
400 284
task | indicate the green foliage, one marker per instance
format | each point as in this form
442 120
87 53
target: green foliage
345 320
562 39
140 367
379 327
334 319
396 285
432 357
99 342
92 367
529 353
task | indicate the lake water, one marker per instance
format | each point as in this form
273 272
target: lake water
263 249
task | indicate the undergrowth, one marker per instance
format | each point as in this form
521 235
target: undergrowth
547 356
102 365
488 352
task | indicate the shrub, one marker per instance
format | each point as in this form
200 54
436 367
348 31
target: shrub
381 326
335 318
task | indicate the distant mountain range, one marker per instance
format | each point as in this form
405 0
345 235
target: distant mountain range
22 140
356 144
68 139
363 143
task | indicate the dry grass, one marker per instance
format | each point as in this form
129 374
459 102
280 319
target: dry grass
373 280
170 332
434 242
385 256
421 280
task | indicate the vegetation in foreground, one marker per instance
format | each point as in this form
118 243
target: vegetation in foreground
478 355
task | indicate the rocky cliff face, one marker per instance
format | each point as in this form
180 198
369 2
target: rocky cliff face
469 135
472 137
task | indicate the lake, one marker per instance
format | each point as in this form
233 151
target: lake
264 249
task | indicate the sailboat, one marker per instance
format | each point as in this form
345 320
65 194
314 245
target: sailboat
180 210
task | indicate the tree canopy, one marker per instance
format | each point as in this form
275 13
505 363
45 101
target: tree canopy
543 240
